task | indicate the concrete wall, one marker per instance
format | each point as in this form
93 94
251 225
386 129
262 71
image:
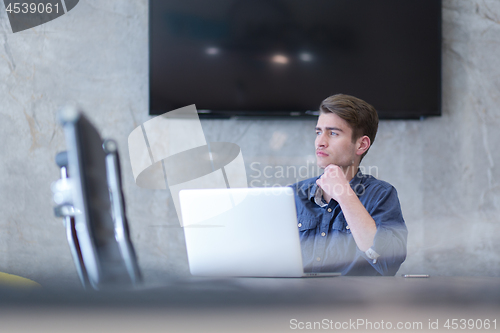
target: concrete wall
445 169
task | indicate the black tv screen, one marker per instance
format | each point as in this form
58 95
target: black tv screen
283 57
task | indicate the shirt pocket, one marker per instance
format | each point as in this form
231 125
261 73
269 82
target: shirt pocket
307 223
340 224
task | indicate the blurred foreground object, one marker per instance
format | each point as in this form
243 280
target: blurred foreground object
90 199
14 281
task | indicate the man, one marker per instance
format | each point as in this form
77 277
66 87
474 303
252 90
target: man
348 222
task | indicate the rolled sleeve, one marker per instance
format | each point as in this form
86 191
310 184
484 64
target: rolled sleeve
391 237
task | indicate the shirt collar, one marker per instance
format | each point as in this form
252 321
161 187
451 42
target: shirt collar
316 193
356 183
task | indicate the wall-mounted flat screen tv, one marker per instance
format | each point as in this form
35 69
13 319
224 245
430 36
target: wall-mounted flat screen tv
283 57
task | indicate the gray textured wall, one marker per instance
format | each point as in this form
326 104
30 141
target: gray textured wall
445 169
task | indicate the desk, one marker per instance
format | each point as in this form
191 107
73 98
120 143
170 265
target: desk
263 305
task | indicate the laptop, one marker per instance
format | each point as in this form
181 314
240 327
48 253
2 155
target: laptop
245 232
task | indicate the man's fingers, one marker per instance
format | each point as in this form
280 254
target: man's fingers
332 170
329 167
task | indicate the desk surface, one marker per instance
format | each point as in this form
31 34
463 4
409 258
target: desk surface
263 304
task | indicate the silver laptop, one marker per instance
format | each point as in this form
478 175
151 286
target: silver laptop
249 232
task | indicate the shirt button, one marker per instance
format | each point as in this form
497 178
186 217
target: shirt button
348 227
323 234
300 225
318 259
329 210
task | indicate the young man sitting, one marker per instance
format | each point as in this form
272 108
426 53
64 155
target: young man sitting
349 222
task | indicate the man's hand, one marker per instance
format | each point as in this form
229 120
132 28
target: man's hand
336 186
334 183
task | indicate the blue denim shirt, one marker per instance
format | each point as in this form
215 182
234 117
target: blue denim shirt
326 240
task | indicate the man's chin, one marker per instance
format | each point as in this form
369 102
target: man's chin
321 165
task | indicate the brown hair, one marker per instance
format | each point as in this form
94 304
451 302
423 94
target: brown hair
361 116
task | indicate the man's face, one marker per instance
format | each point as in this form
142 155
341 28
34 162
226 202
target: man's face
334 142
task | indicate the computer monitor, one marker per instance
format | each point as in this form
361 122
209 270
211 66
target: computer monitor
122 233
97 202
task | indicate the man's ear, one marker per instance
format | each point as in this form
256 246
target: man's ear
362 145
